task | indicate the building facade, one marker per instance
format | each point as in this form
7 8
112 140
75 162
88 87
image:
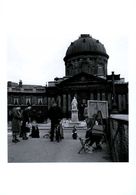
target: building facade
28 95
86 78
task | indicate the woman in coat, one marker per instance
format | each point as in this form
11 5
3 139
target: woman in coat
16 124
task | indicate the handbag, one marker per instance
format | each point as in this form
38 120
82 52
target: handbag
98 130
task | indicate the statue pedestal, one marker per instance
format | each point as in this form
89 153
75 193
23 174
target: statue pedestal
74 122
74 116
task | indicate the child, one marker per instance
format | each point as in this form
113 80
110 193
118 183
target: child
74 133
35 131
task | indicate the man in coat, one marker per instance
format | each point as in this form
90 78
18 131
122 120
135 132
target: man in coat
55 115
25 119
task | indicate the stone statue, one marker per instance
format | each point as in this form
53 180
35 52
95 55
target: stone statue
74 104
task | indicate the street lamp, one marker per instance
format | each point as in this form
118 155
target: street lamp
114 104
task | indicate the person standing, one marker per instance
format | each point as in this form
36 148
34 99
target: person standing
55 115
25 120
16 124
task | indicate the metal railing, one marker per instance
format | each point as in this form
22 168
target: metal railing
118 137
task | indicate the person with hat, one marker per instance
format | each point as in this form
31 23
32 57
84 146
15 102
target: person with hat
16 124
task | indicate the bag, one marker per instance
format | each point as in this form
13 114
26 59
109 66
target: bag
97 130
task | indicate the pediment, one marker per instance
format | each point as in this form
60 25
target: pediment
82 78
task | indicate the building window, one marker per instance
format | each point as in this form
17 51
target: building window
40 101
9 100
28 101
16 101
100 70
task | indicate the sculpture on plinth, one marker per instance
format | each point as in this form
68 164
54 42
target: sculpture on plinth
74 123
74 111
74 104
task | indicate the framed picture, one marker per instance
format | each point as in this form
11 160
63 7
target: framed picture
95 105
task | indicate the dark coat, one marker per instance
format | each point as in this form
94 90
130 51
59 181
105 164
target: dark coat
25 117
16 121
55 114
35 132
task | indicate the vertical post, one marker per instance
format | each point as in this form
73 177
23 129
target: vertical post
49 102
64 103
114 105
69 102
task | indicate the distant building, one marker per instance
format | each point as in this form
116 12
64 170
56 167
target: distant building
28 95
85 77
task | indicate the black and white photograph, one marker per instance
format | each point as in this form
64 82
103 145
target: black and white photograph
67 88
57 114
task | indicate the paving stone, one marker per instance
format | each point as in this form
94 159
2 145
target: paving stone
42 150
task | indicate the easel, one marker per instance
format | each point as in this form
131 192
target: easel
96 128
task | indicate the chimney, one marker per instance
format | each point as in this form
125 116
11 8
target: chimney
20 83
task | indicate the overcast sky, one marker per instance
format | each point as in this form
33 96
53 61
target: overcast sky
39 33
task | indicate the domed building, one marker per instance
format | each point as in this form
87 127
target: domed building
86 54
86 78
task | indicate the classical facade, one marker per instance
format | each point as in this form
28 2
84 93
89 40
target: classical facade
85 78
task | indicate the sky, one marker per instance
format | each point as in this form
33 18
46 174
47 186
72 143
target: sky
39 33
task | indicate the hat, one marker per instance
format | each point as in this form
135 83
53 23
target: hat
18 108
28 108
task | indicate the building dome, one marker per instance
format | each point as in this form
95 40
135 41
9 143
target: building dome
86 54
85 45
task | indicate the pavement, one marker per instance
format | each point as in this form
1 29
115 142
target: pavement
36 150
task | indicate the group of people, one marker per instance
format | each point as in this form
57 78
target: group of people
19 123
20 119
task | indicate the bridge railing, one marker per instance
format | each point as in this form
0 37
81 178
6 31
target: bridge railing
118 137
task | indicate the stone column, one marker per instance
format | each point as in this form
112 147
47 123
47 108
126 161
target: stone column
69 102
64 103
110 100
98 96
119 102
45 100
59 100
49 102
124 101
103 96
91 96
52 100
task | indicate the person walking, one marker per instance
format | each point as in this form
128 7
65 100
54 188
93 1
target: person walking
55 115
16 124
25 120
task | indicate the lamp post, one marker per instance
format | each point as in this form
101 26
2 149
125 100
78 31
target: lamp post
114 104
